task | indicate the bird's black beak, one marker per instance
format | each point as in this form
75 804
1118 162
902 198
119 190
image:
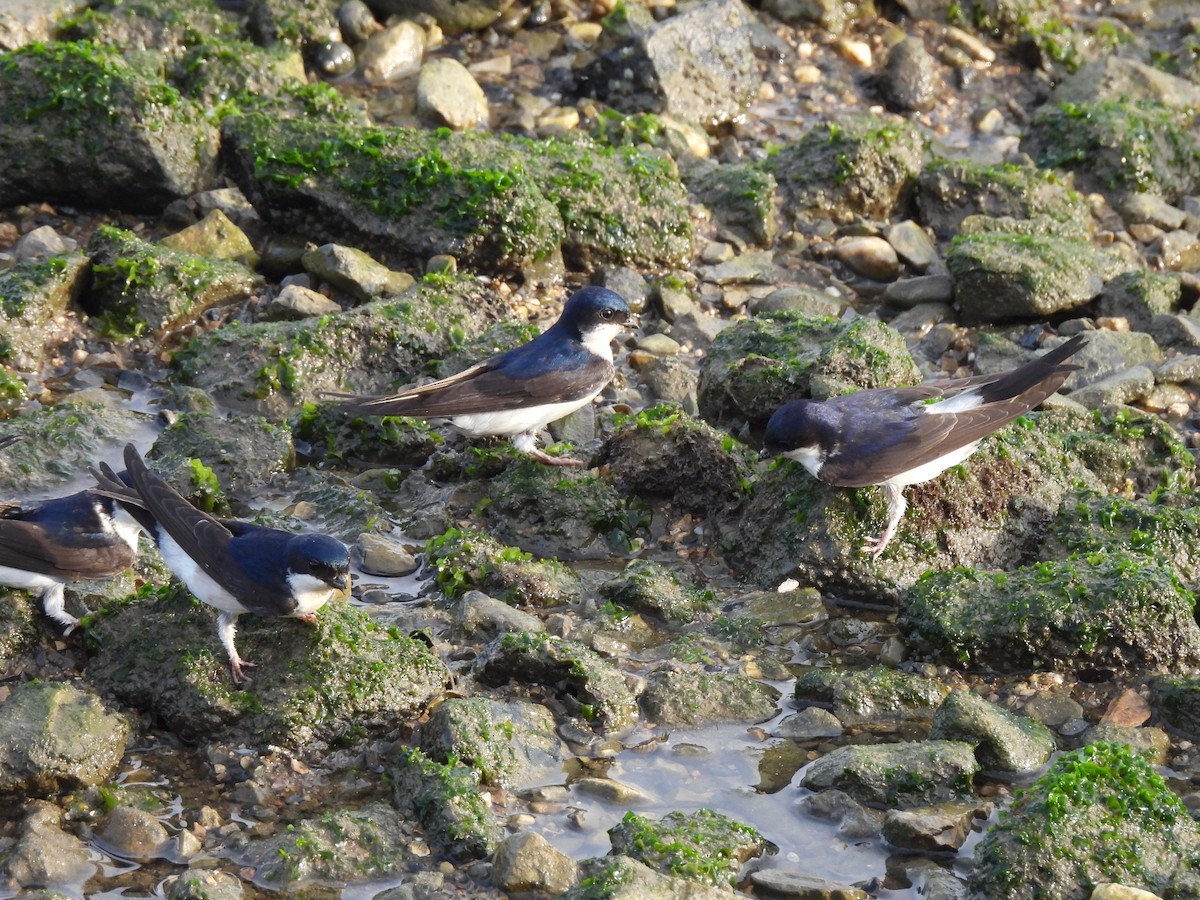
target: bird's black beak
339 582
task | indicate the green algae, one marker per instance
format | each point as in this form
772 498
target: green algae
471 560
703 846
446 799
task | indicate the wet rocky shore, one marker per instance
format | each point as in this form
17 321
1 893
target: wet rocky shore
672 672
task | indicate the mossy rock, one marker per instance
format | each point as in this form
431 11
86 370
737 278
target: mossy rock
33 293
760 363
703 846
1004 741
141 288
872 697
1176 699
329 434
337 848
473 561
650 587
87 126
624 878
447 802
588 687
948 191
498 204
339 678
999 276
294 23
843 170
239 74
1101 814
331 504
1139 296
740 196
164 26
688 697
1110 608
663 453
903 775
271 368
19 613
1004 20
1118 146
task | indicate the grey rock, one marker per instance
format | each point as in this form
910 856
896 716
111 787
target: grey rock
204 884
830 15
42 242
909 292
132 833
937 829
854 821
627 282
920 321
214 236
870 257
1120 76
393 53
57 738
38 293
910 80
383 556
1120 388
903 775
44 854
672 381
528 862
810 722
510 743
876 696
454 17
1004 741
348 269
1151 209
757 267
1178 369
295 301
1140 296
809 301
697 66
1052 708
448 94
1108 353
913 244
785 883
23 23
480 616
675 303
687 697
356 21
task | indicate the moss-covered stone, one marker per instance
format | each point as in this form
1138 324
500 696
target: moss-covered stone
1118 145
87 126
1004 275
18 630
293 23
740 196
873 697
496 203
33 293
840 170
1109 607
471 560
510 744
703 846
338 678
330 434
143 288
164 26
1101 814
233 74
663 453
624 878
447 802
1004 741
337 848
271 368
1139 296
688 697
949 191
1176 698
1004 20
760 363
326 501
650 587
903 775
586 686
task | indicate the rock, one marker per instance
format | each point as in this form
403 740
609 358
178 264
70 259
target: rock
704 846
650 587
676 696
937 829
1109 891
393 52
448 94
1127 710
477 615
24 23
622 878
1139 296
782 883
1004 741
911 292
870 257
132 833
158 146
297 302
1151 209
214 236
58 738
41 243
454 18
511 744
142 288
526 861
199 884
469 560
909 80
998 277
804 301
36 295
912 244
447 802
748 268
586 685
850 169
831 15
904 775
384 556
1118 76
1122 389
162 655
876 697
44 854
1144 843
1151 743
344 847
811 722
854 821
350 270
697 66
739 196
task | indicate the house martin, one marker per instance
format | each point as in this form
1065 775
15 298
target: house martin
895 437
518 393
233 566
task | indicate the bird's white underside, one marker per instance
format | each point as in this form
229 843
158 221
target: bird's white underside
311 593
509 422
199 582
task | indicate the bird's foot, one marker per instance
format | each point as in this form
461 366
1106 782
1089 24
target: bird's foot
875 546
310 618
236 665
542 456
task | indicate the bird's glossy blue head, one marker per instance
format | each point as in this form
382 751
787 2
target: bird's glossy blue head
321 556
792 426
594 308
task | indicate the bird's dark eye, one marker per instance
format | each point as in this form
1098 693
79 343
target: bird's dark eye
607 313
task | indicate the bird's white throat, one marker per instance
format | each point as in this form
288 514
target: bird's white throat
810 457
598 339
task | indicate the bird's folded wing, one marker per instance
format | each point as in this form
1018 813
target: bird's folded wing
24 546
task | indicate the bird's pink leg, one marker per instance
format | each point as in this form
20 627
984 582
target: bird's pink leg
896 506
527 443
